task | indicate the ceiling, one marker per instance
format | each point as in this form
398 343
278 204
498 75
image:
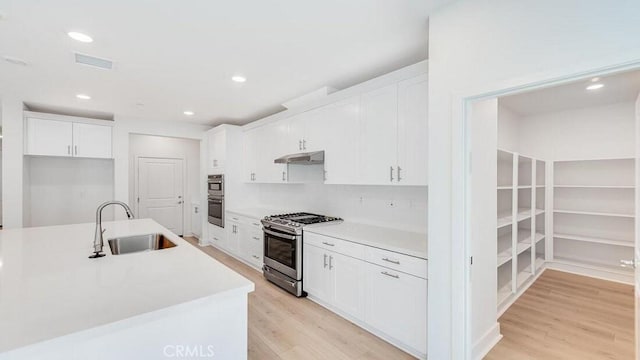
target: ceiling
170 57
617 88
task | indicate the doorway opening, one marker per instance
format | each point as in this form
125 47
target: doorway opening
164 178
553 218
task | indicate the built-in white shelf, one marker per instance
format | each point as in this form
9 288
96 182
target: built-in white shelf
592 213
522 187
594 240
505 187
504 257
631 187
504 293
539 262
522 277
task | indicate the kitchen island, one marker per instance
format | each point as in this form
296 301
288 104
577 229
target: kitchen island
56 303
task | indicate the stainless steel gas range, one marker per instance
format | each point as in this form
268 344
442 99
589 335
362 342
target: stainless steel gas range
283 248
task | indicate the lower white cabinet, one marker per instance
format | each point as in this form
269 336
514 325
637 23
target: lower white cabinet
396 304
241 237
389 302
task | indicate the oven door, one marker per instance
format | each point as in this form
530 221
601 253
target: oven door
283 252
216 211
215 188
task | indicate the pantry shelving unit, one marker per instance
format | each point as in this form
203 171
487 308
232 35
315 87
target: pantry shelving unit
521 224
594 217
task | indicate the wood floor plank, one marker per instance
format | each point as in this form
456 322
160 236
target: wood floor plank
567 316
283 327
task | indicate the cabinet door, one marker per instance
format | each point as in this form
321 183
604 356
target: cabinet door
272 148
233 236
316 274
413 131
217 150
92 141
340 141
347 275
396 304
256 248
250 153
217 236
295 134
316 130
49 137
378 129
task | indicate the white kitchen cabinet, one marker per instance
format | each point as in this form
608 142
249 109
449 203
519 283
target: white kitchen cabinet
251 153
396 305
92 141
234 233
335 279
378 136
217 151
65 138
340 124
49 137
262 147
217 236
316 276
413 131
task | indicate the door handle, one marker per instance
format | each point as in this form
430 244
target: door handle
391 173
304 144
76 149
399 177
325 261
628 264
330 262
283 176
179 202
69 149
299 144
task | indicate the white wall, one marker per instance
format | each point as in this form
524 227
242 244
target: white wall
483 46
592 132
66 190
12 169
389 206
508 129
168 147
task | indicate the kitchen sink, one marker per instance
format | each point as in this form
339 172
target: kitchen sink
139 243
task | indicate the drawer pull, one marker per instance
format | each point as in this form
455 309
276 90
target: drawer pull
390 275
256 238
328 244
397 262
256 224
235 218
256 257
325 261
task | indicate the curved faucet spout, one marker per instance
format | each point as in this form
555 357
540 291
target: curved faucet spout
98 241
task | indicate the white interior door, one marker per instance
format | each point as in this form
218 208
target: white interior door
161 192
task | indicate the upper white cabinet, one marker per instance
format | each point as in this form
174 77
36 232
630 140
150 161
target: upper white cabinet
379 136
217 151
413 132
64 138
92 141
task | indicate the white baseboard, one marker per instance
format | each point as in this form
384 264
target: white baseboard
594 272
482 347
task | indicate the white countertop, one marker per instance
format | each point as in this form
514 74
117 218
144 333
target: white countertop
257 212
400 241
49 287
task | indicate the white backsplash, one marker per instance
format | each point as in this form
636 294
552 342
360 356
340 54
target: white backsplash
389 206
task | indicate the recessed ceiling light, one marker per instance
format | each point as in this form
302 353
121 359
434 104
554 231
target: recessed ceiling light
80 37
14 60
83 97
595 86
188 113
239 78
595 79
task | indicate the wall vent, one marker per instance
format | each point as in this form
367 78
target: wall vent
93 61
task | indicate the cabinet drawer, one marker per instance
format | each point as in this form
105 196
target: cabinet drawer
392 260
336 245
251 223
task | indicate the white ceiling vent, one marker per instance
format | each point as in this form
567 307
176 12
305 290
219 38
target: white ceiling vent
93 61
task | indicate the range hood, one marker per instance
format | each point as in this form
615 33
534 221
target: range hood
307 158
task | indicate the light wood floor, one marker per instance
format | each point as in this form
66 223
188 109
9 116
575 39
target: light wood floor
566 316
282 326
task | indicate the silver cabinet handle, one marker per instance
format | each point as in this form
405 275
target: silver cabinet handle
256 257
256 238
179 202
256 224
391 173
330 262
304 144
300 144
328 244
390 275
69 149
325 175
215 238
325 261
399 177
235 218
283 176
76 149
397 262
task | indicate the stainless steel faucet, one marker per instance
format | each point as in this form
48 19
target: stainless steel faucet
98 242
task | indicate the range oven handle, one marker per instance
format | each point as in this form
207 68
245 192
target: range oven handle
280 235
216 201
